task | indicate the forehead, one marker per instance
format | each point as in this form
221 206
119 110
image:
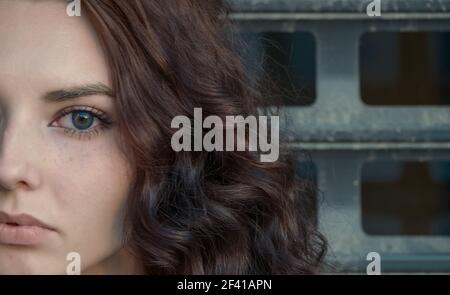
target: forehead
39 43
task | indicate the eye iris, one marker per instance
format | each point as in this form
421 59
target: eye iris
82 120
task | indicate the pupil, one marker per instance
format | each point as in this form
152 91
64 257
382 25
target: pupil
82 120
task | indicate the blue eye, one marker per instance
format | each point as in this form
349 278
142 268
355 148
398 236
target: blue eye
78 120
82 120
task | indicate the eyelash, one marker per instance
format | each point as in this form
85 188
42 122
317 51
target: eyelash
105 122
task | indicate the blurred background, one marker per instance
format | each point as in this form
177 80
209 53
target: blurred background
367 99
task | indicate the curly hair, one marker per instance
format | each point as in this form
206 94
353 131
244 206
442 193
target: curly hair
199 212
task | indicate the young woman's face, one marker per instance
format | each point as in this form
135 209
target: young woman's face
59 157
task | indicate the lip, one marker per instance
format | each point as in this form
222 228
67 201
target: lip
22 230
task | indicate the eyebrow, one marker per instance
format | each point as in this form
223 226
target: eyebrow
77 91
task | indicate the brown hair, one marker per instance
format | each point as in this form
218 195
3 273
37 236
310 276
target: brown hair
198 212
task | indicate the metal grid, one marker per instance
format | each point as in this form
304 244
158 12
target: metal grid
342 133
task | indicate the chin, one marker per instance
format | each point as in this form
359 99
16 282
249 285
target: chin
23 263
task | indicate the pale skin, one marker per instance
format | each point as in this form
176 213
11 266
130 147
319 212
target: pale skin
69 174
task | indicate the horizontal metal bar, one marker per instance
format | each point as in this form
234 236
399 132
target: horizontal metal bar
348 123
340 5
397 263
296 16
369 145
342 26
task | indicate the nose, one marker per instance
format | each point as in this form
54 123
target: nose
16 170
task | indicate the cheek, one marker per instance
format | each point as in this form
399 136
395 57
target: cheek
90 182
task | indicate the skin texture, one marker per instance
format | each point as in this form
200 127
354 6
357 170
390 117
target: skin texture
76 183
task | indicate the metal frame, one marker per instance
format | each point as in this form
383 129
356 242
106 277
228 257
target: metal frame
341 132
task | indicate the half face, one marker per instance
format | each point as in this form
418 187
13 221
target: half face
63 178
